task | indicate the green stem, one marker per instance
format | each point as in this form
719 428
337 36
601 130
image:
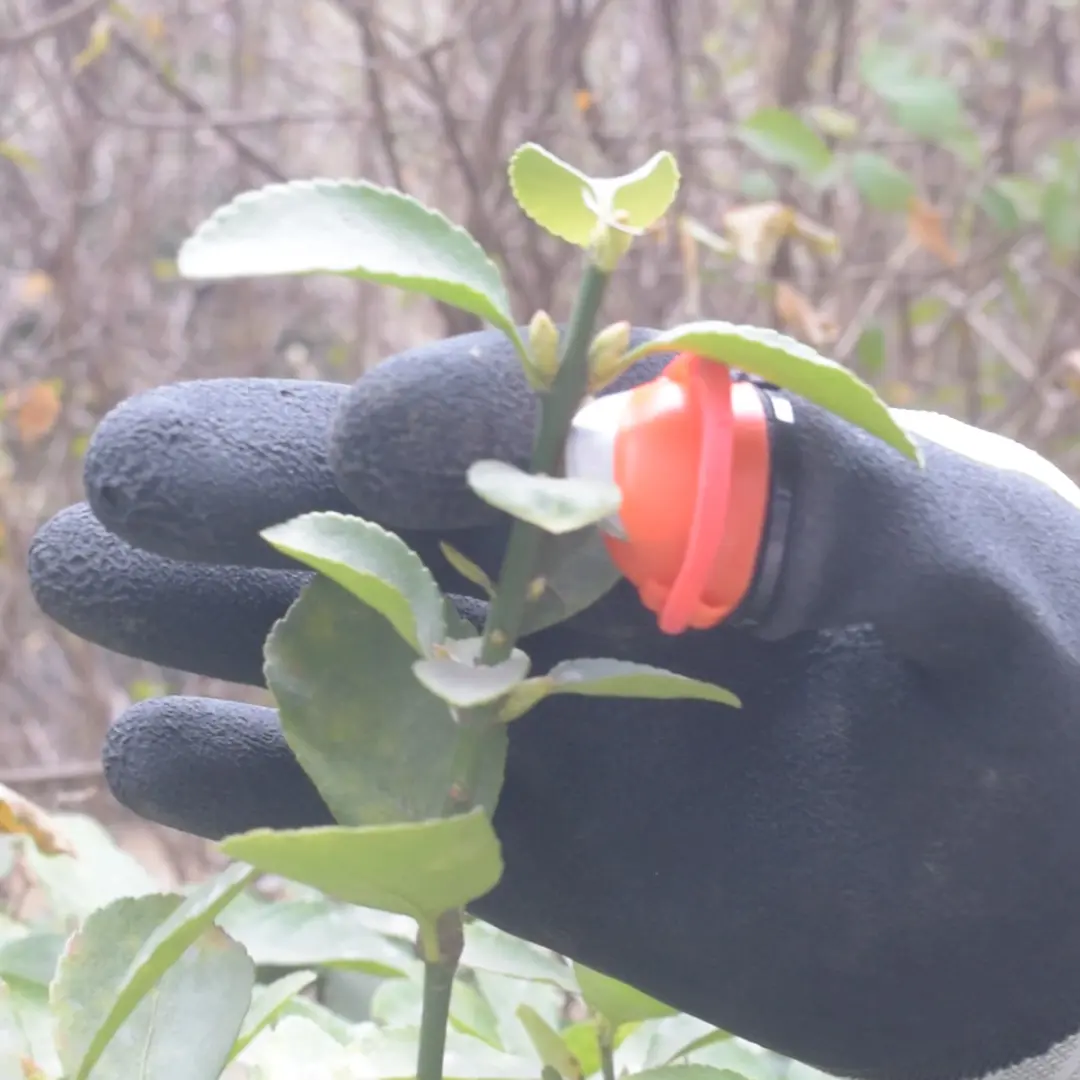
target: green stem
439 972
501 630
606 1039
434 1020
558 407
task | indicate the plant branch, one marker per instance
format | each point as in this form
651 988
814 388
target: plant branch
438 989
501 629
556 415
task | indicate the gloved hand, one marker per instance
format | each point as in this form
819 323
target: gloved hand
873 867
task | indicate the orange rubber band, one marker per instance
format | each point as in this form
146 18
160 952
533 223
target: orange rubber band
710 391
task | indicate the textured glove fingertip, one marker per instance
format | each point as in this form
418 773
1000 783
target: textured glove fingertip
210 768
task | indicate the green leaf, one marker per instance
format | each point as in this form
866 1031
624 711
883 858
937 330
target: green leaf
791 365
549 1044
98 873
688 1072
577 572
925 105
14 1045
781 137
374 565
644 195
835 122
378 746
615 1001
1061 218
32 958
553 194
679 1036
268 1004
623 678
391 1055
564 201
1023 193
999 209
467 569
296 1047
498 953
880 182
870 349
149 987
583 1041
27 1022
354 228
312 933
460 680
420 869
555 504
472 1014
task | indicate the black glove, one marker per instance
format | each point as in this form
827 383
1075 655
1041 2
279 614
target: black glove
874 867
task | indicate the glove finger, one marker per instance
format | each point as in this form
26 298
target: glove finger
194 471
405 434
207 620
208 767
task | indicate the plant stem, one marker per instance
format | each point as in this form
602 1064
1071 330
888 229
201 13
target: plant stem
606 1039
438 989
501 630
557 410
434 1020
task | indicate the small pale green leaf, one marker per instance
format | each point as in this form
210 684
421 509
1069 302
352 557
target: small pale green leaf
167 928
98 873
870 349
420 869
570 204
688 1072
835 122
465 685
880 182
312 933
27 1021
379 1054
793 366
553 194
999 209
1061 218
376 566
1023 193
923 104
645 195
498 953
467 569
472 1014
14 1046
617 1002
377 745
623 678
783 138
150 987
678 1037
555 504
583 1041
577 572
523 697
31 959
549 1044
298 1046
354 228
268 1004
